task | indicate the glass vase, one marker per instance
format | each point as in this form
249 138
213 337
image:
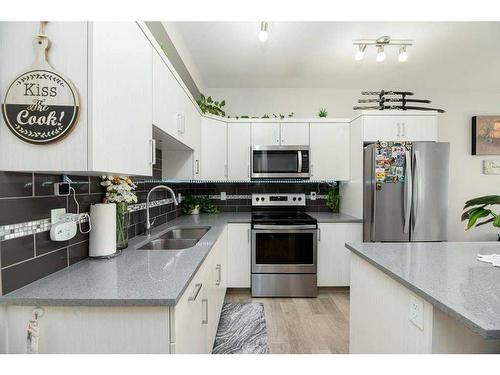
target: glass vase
121 226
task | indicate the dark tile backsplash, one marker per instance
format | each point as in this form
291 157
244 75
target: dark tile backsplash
30 196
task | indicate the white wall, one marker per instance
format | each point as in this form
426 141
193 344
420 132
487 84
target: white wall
466 178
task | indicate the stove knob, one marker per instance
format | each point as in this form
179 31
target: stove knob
300 198
257 199
294 199
262 199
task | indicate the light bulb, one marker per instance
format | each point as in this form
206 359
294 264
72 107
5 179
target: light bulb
360 53
403 55
263 36
380 54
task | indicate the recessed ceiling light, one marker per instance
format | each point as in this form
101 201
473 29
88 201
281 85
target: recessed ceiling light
380 54
403 55
263 32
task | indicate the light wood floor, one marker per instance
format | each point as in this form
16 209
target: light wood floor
304 325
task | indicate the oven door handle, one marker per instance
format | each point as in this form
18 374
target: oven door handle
284 227
299 155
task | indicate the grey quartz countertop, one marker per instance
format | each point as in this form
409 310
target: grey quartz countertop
135 278
447 275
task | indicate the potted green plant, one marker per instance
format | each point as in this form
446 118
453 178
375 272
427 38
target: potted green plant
323 112
333 198
479 208
194 205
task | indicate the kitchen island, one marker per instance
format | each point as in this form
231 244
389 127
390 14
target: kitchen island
424 298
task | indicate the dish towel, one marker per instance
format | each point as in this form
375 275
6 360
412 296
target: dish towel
491 258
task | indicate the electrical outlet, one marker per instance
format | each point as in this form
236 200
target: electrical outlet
57 214
417 312
222 195
313 195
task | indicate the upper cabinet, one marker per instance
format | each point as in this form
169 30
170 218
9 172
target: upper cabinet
238 151
399 128
213 149
330 151
121 101
294 133
275 133
110 65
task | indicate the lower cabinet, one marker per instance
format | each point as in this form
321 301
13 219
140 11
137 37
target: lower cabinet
239 256
333 257
195 318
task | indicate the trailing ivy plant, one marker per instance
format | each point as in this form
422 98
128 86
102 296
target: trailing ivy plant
211 106
333 198
478 208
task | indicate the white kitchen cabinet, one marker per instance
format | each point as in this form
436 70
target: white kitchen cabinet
265 133
275 133
238 256
330 151
110 64
165 100
238 151
333 257
213 149
121 83
399 128
294 133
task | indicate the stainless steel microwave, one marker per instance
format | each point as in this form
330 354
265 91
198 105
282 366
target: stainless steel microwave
280 162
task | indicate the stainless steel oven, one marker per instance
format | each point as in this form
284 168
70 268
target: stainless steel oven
284 247
280 162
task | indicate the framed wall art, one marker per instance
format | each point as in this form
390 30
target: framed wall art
486 135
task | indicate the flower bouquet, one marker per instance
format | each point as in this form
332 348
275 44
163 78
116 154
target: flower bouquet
119 190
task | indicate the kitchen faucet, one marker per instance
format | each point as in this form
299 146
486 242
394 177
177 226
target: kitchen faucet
149 224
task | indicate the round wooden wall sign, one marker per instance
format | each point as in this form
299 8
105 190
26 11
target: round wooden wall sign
41 105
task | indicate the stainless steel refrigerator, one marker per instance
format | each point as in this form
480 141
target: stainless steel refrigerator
405 191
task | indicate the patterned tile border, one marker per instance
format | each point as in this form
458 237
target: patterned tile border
11 231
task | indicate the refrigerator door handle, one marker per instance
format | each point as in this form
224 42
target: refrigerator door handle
407 192
418 180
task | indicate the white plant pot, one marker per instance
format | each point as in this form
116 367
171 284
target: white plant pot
195 211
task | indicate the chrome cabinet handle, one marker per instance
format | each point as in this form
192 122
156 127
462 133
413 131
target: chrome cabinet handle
219 271
248 234
319 234
404 129
197 289
248 174
205 301
399 130
197 166
226 169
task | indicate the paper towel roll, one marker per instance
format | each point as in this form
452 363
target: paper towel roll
102 241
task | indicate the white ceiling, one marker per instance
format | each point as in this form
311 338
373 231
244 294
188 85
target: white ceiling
445 55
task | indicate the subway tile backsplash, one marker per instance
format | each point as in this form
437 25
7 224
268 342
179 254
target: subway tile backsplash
27 253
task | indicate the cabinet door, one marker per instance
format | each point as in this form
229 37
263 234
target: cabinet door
121 89
384 128
418 128
265 133
329 151
333 257
238 151
238 256
213 149
294 133
164 98
190 314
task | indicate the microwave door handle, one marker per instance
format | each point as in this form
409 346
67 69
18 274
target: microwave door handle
299 155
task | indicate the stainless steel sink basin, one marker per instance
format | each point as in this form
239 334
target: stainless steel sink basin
177 238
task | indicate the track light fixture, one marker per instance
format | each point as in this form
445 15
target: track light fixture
381 44
263 31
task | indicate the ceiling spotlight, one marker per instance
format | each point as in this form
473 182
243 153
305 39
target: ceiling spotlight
360 53
403 55
380 54
263 32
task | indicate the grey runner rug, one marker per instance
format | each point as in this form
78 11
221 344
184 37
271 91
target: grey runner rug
242 330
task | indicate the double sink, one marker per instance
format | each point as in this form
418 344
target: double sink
177 238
